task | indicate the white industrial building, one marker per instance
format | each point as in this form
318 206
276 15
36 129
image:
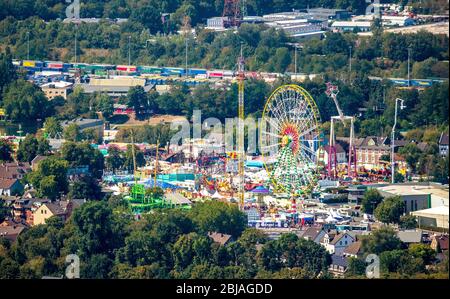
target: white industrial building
417 197
387 21
433 217
350 26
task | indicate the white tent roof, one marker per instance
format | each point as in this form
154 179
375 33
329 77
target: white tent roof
436 211
217 195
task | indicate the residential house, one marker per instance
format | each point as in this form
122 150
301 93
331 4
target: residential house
339 265
410 236
443 144
336 243
14 170
36 160
11 231
23 209
63 209
341 155
440 243
314 234
369 150
222 239
353 250
55 89
10 187
46 211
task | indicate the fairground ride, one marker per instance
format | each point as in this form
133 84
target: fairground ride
332 167
141 201
289 139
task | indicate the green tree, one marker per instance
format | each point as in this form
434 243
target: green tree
114 160
141 248
423 251
292 273
356 267
390 210
9 269
85 187
73 133
137 99
28 148
52 127
408 222
219 217
400 261
128 159
5 151
383 239
97 267
371 200
50 178
289 251
44 147
105 105
4 211
95 230
48 187
7 72
412 155
25 102
83 154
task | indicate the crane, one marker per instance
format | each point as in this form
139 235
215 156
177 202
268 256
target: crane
241 150
186 29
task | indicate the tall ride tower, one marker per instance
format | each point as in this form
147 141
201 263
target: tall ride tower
240 132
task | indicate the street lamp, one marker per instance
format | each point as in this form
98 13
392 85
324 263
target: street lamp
409 72
28 45
129 49
350 65
295 58
393 137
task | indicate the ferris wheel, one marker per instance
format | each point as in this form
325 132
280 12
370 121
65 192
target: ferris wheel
289 139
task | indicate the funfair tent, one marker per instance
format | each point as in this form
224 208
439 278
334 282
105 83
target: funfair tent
260 190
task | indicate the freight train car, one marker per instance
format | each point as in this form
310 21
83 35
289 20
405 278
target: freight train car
172 71
197 72
126 68
32 64
421 83
149 70
215 74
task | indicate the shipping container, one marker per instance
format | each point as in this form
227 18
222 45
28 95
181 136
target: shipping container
421 82
126 68
215 74
172 71
252 75
29 63
81 66
53 65
149 70
195 72
93 67
401 82
100 72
